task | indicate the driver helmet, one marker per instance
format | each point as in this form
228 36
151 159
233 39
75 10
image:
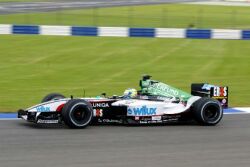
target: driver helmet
130 93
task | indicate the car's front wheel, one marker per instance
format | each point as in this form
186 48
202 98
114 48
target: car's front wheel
77 113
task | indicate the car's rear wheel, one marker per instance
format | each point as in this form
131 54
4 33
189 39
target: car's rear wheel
77 113
207 111
52 96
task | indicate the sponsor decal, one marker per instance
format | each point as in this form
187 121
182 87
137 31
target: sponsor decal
141 111
171 118
137 118
220 91
143 122
98 112
162 98
47 121
146 118
150 122
207 86
166 89
109 121
100 105
129 101
156 118
42 109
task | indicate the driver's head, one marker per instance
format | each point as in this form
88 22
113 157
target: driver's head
130 93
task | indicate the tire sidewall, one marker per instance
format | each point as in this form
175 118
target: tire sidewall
199 107
203 112
69 108
88 119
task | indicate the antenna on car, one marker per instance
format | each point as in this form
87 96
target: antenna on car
83 92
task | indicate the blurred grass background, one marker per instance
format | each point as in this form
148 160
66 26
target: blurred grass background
33 66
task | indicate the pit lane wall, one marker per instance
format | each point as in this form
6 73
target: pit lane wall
126 32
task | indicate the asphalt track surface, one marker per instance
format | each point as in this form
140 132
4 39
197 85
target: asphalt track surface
25 144
53 5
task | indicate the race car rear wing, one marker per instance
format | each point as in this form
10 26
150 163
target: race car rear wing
206 90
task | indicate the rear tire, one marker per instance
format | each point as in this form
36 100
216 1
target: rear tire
77 113
207 111
52 96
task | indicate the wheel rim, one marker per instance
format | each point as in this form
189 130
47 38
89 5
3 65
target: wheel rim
80 114
211 113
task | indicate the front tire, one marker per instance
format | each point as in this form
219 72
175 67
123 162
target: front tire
77 113
207 111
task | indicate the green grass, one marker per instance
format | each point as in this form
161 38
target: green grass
170 15
33 66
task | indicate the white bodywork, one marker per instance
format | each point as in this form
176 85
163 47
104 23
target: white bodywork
54 104
135 107
47 106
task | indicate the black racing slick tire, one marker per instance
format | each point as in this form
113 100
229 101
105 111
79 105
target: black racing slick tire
77 113
207 111
52 96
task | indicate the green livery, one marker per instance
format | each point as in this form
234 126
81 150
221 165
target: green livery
156 88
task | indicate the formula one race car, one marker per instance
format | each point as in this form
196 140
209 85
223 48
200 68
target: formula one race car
154 103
